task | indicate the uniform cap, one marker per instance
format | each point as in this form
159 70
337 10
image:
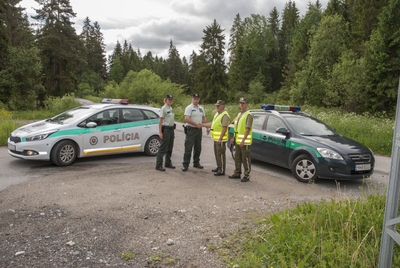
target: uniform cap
169 96
196 95
243 100
220 102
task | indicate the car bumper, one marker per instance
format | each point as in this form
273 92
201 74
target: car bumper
341 170
36 150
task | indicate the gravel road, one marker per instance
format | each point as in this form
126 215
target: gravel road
96 212
79 218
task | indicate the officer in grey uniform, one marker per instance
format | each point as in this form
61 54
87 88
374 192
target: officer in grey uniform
166 127
195 116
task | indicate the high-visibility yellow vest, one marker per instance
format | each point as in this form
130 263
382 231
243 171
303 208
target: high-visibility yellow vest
216 127
240 129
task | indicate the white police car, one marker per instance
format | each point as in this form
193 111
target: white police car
90 130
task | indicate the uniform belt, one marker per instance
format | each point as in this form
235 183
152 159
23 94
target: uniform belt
168 127
190 127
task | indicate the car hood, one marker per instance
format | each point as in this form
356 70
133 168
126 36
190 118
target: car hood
36 128
339 143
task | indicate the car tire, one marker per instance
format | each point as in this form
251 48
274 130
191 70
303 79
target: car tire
152 146
304 169
63 153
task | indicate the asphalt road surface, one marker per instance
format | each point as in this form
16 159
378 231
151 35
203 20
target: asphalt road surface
16 171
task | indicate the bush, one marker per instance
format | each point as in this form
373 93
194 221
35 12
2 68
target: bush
58 105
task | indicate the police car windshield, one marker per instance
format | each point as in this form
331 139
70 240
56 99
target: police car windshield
310 127
69 116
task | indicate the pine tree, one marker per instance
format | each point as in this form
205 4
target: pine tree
20 65
174 65
14 29
61 49
95 73
235 33
383 59
211 77
300 43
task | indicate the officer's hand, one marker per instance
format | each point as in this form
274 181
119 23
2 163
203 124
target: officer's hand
199 125
161 135
241 144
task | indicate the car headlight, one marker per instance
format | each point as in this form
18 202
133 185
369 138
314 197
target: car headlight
38 137
328 153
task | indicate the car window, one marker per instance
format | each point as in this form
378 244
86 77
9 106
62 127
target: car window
258 121
150 114
69 116
107 117
310 127
103 118
273 123
132 115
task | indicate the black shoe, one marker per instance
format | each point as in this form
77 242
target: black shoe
170 166
160 168
184 168
198 166
215 170
234 176
219 174
245 179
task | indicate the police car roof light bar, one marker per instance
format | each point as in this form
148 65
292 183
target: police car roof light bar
121 101
268 107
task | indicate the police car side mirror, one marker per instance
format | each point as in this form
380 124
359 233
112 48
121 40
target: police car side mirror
283 131
91 125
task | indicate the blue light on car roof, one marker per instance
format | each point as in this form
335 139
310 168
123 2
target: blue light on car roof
280 107
121 101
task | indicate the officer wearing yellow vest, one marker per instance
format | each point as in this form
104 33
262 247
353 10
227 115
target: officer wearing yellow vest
243 127
219 134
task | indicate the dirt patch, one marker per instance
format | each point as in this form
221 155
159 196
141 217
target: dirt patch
94 215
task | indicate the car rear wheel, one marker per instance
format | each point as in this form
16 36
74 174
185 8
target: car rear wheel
304 169
152 146
63 153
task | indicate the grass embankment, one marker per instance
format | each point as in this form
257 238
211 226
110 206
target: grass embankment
343 233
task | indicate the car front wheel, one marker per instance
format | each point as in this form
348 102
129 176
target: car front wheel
63 153
152 146
304 169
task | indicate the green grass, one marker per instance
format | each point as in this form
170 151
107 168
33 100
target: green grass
374 131
333 233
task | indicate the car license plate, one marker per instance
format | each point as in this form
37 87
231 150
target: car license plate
11 147
363 167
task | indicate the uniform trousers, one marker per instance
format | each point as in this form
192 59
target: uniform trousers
192 142
220 155
242 156
167 143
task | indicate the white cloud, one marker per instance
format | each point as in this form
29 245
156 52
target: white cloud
150 25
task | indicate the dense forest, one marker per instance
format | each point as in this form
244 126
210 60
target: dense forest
346 56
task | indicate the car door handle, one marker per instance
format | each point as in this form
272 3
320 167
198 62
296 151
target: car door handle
117 130
147 126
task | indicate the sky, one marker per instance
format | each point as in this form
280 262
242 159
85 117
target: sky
150 25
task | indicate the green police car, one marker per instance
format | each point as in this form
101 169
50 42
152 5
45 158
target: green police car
286 137
110 127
